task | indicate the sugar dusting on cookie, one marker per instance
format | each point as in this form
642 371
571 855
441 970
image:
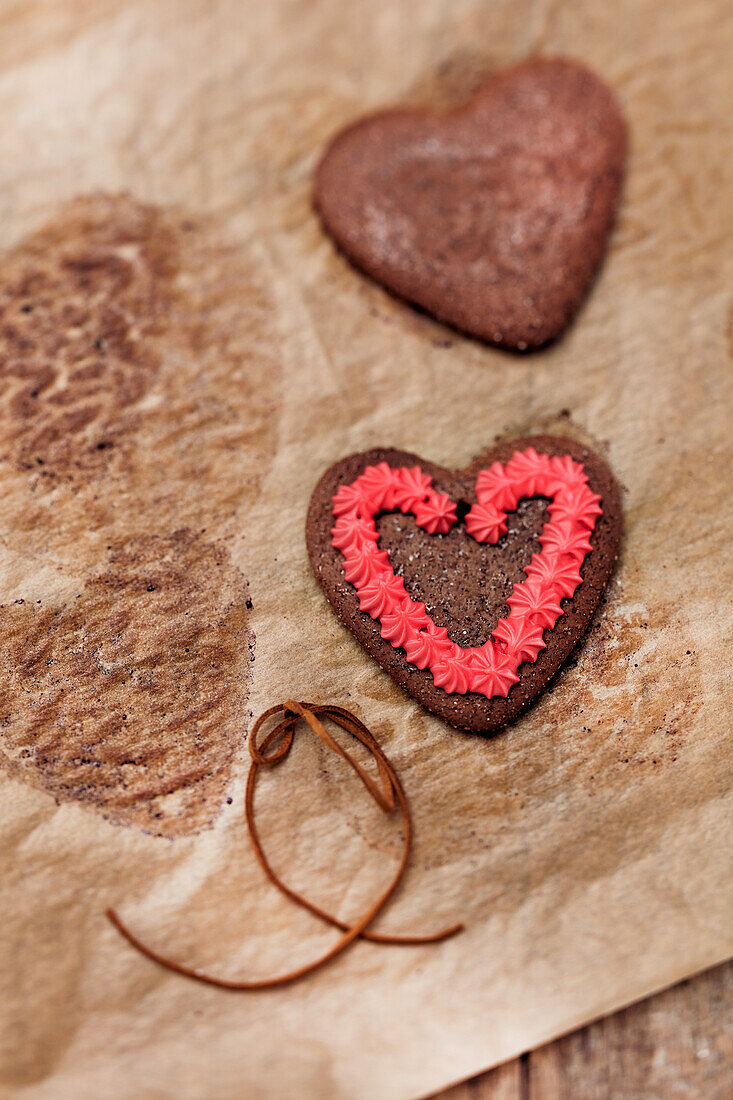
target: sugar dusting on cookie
494 216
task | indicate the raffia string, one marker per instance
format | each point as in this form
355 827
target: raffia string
387 793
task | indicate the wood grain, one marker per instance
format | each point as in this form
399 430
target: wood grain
678 1044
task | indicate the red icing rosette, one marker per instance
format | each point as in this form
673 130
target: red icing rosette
428 646
351 531
492 669
528 472
349 500
535 603
403 621
381 593
436 514
411 487
452 673
495 486
486 523
562 573
378 484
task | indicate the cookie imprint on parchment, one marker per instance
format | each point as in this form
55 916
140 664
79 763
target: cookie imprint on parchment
132 698
139 401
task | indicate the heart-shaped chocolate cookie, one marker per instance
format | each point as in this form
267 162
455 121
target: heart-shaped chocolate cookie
495 216
471 587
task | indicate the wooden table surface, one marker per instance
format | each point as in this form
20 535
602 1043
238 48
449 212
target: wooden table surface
678 1044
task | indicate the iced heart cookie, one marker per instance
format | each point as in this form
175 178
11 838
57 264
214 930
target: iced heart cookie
472 587
493 217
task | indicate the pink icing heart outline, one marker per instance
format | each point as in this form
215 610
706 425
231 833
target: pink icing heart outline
535 603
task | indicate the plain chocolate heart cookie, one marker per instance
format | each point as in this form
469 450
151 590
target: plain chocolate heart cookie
470 587
493 217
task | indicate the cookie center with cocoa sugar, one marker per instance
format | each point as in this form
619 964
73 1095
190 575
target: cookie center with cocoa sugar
464 584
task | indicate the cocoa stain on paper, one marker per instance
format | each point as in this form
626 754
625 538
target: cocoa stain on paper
139 403
132 698
140 384
614 672
603 726
81 305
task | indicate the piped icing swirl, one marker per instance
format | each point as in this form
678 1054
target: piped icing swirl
535 603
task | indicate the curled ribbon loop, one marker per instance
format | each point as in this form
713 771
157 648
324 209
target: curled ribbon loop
387 793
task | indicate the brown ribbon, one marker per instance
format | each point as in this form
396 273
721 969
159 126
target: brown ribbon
388 794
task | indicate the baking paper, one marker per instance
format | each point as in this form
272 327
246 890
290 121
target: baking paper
183 353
